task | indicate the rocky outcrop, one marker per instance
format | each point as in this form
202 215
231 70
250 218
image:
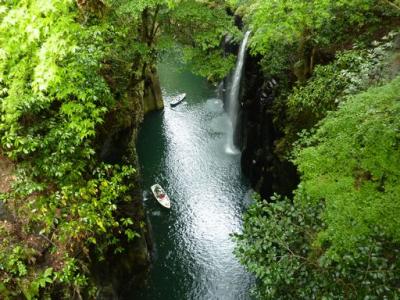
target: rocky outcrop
267 172
152 97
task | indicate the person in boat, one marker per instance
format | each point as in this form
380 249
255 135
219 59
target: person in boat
159 193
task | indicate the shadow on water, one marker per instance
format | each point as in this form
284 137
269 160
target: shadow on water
183 149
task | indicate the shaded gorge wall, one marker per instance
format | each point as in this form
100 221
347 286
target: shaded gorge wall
267 171
117 140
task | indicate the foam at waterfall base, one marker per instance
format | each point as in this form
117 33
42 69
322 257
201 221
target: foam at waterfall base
231 149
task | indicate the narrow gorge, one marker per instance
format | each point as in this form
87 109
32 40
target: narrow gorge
281 162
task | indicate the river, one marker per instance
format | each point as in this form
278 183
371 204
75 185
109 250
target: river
183 149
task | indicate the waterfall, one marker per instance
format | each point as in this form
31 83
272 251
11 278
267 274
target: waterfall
233 96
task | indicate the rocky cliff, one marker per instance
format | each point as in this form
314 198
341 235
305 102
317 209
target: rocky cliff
259 132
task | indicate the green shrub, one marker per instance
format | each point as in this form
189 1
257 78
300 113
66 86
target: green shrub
63 200
340 238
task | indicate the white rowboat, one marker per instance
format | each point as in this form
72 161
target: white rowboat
178 99
161 195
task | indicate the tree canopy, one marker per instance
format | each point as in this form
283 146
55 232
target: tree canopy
300 33
340 237
74 71
70 71
337 108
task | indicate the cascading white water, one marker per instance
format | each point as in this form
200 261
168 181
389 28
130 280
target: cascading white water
233 96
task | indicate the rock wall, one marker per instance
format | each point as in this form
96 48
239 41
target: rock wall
256 133
152 97
267 172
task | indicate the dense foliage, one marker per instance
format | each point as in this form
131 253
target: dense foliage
297 34
340 237
70 71
352 71
197 26
352 163
337 108
53 97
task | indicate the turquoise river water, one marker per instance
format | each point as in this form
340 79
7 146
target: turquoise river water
183 149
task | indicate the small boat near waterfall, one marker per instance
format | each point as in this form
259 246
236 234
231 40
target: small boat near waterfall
178 99
161 195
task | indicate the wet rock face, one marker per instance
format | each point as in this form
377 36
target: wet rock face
152 98
267 173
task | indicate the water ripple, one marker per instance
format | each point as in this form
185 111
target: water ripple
183 150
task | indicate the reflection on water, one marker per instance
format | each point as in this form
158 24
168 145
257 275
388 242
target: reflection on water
182 148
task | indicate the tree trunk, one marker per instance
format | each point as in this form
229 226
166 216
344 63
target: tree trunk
152 96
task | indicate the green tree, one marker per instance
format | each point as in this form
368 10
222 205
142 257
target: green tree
53 98
340 237
296 35
330 85
352 164
69 71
